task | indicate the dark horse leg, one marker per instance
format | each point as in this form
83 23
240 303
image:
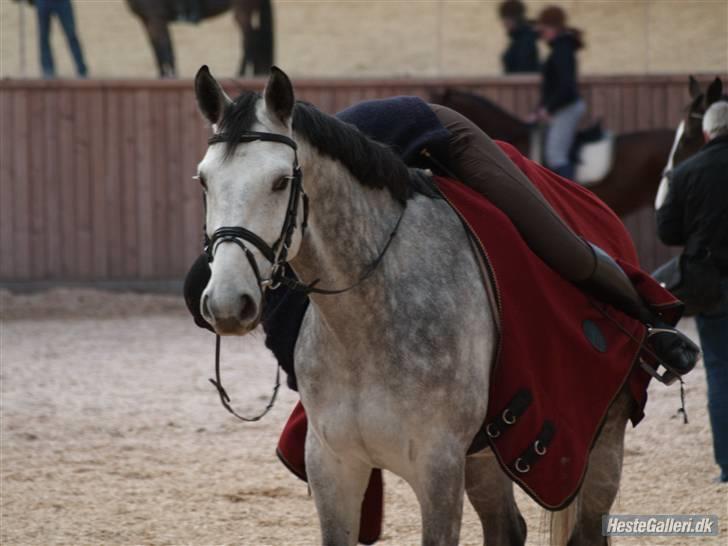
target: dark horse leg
255 19
159 37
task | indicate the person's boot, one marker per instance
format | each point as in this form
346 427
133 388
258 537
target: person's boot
608 282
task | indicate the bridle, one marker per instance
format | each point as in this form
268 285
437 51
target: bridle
277 253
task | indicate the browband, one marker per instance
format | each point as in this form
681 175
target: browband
251 136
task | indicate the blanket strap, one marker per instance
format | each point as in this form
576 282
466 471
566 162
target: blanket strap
537 449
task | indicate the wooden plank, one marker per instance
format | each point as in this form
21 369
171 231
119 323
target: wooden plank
160 186
113 181
597 105
327 100
129 212
658 105
7 186
100 224
192 130
21 179
629 108
68 186
144 174
52 246
176 181
614 96
82 181
644 107
36 182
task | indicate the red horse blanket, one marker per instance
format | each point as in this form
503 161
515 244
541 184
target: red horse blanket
562 357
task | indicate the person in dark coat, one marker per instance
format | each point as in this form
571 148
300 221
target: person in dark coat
561 106
521 56
695 214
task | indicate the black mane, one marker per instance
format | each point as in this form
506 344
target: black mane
373 164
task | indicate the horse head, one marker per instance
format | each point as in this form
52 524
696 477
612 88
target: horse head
251 180
689 134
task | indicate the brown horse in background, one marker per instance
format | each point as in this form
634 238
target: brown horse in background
639 157
254 17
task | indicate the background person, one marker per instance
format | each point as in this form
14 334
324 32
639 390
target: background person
695 214
63 10
561 106
522 52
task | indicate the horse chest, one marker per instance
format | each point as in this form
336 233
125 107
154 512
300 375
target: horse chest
364 405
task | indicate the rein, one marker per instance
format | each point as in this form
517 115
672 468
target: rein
276 254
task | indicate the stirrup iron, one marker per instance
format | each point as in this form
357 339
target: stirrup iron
670 375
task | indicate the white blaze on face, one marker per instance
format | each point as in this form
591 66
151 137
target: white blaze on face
664 188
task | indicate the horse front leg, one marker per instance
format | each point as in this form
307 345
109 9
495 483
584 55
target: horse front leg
440 489
338 488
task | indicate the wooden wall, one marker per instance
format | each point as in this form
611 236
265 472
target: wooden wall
95 176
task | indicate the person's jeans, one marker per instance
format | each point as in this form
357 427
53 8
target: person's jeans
64 11
560 137
713 331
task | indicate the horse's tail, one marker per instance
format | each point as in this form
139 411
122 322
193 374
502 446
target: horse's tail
562 523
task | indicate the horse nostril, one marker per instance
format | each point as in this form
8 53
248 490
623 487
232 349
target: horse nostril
206 306
248 310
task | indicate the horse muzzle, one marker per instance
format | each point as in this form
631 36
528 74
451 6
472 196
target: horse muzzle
230 314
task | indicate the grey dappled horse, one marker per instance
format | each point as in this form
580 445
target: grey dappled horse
393 372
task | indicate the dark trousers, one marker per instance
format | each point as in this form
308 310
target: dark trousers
64 11
713 330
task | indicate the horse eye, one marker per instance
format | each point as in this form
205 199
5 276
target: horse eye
281 183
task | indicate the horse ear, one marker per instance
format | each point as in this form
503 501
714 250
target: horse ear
714 92
279 98
694 88
696 103
211 99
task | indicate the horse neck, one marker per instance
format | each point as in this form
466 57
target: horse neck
348 226
495 122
